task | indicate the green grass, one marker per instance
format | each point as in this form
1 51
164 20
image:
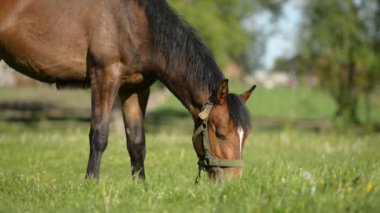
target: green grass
48 94
304 103
42 162
301 103
42 170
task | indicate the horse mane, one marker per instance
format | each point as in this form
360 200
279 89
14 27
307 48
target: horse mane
238 112
177 39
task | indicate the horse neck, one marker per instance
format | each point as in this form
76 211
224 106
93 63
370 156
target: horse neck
192 93
188 93
180 59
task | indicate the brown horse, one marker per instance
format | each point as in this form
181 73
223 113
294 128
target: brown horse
119 48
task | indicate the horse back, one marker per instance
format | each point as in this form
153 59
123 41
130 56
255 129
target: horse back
55 41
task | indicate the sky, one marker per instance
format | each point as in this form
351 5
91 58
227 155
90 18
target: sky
281 35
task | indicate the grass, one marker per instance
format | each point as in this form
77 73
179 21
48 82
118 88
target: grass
291 103
301 103
42 170
42 162
47 94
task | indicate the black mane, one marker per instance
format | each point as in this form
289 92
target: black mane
238 112
176 39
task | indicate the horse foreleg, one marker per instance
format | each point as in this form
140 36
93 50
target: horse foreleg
134 106
104 87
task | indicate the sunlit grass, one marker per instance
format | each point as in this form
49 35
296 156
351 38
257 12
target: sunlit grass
301 103
42 169
42 163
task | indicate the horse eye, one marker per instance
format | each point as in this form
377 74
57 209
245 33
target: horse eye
220 136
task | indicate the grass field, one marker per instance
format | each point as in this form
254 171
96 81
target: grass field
42 170
42 163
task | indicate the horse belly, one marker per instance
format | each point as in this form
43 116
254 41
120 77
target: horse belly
136 81
42 66
49 50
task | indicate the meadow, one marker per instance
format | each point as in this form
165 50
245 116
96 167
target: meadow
42 165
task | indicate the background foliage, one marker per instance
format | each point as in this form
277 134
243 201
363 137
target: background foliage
340 40
219 25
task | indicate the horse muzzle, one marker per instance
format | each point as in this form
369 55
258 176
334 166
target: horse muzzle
217 173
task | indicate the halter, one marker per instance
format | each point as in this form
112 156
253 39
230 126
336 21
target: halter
209 159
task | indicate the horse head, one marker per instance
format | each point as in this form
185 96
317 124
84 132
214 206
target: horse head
220 134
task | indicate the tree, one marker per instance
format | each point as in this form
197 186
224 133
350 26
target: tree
340 40
296 64
219 25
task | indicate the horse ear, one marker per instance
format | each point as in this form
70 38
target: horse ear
245 96
222 92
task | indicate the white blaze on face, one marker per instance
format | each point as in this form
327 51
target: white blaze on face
241 134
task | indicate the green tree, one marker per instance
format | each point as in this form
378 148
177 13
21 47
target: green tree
296 64
340 40
219 25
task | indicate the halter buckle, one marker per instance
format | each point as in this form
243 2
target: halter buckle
206 111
